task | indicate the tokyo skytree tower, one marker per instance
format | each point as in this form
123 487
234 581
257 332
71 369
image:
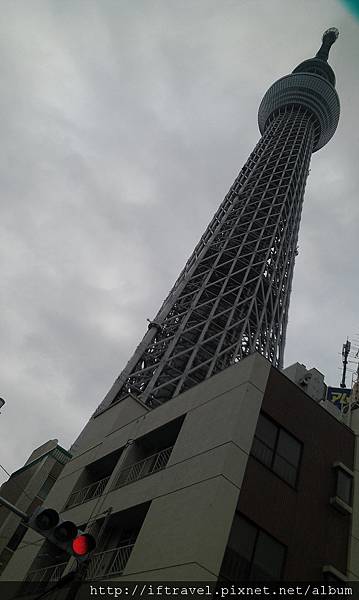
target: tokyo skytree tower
232 296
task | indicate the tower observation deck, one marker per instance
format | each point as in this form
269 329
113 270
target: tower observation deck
232 297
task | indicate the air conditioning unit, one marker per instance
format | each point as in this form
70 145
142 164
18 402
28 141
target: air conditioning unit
305 380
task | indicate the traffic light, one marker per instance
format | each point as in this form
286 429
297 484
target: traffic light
63 534
82 545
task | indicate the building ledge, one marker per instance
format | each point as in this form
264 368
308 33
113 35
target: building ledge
343 467
341 506
330 570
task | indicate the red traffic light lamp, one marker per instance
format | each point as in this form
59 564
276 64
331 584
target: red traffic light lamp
82 545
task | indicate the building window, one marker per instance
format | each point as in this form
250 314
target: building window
277 449
46 487
344 486
252 554
17 537
343 494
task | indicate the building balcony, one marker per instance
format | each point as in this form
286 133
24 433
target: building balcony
138 470
94 490
109 563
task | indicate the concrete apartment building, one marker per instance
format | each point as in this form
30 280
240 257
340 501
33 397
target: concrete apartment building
27 488
243 477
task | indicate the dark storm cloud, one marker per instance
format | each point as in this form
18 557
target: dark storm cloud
123 125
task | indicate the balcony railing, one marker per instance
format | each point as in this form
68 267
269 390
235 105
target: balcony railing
52 573
87 493
36 580
151 464
108 563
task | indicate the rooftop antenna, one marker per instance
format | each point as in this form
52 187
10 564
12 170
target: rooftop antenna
345 354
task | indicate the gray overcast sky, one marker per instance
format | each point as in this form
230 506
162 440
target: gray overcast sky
123 124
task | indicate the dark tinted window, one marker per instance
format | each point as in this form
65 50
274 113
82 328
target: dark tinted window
289 448
268 558
344 486
252 554
277 449
266 432
46 487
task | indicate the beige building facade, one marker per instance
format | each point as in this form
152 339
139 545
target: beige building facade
178 492
177 470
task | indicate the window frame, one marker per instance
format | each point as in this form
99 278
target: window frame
257 534
275 453
337 501
344 479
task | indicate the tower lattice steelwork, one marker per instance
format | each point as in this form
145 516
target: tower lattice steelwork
232 296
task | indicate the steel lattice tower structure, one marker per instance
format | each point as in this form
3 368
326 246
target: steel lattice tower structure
232 296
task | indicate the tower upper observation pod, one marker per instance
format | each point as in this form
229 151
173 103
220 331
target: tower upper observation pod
310 86
232 297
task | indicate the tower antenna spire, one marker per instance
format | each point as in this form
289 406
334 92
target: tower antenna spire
328 39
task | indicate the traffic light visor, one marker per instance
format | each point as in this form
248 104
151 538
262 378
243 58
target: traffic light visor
46 519
66 531
83 544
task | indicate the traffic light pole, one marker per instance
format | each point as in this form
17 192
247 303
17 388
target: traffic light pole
77 581
74 578
69 578
14 509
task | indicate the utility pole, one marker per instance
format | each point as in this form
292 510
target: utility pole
345 354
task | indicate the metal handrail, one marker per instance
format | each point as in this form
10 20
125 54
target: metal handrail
109 562
47 574
87 493
138 470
